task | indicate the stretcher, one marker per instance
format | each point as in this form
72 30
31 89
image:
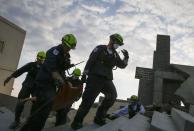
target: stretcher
66 95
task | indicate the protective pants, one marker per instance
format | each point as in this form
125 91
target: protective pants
61 116
24 93
40 109
94 86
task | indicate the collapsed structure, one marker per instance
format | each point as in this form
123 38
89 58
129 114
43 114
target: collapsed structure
165 82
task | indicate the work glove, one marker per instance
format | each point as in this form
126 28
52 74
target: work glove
7 80
125 53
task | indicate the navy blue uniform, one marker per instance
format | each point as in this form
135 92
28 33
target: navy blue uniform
56 61
27 86
99 70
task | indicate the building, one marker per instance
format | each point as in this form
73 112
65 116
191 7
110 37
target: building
11 43
165 82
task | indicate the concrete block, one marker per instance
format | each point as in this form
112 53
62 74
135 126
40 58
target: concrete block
184 121
90 127
6 117
137 123
59 128
186 90
162 122
191 110
10 102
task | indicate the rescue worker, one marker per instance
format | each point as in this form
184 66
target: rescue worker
77 85
27 86
135 106
48 78
99 68
132 109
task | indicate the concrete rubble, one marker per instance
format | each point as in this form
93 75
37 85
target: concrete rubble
6 117
177 121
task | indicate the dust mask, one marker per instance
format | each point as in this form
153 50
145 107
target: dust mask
115 46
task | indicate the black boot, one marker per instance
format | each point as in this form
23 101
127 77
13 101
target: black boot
78 120
14 125
18 111
99 121
76 125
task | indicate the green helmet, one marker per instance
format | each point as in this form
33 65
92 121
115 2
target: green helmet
77 72
118 38
134 98
69 40
41 55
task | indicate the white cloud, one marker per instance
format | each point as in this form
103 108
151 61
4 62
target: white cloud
97 9
109 1
92 22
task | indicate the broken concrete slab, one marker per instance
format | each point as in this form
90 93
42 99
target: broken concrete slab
191 110
90 127
184 121
67 128
162 122
6 117
137 123
10 102
186 90
114 125
59 128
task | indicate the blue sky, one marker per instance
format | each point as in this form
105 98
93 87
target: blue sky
92 21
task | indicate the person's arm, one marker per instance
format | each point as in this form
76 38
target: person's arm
122 63
57 77
18 72
51 65
22 70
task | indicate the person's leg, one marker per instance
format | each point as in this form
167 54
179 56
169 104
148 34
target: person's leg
61 116
88 98
24 93
40 111
110 93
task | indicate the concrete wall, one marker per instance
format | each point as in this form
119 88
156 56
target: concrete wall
145 92
12 39
191 110
161 61
169 88
186 90
162 54
165 85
